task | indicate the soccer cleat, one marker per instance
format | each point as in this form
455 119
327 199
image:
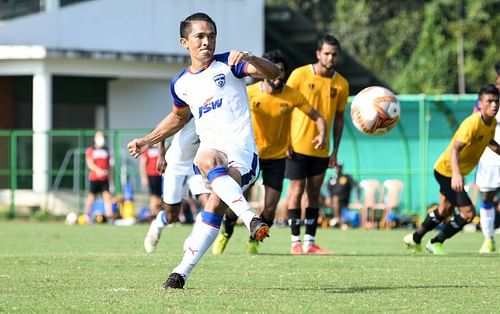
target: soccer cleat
151 239
174 281
411 244
488 246
259 230
316 249
296 248
435 248
252 247
220 243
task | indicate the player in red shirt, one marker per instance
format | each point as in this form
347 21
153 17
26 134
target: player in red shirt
152 178
98 163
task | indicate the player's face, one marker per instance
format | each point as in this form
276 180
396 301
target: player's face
201 41
328 56
278 83
489 105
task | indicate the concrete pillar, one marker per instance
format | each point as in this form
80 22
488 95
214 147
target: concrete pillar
42 122
51 5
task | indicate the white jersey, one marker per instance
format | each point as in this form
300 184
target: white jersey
182 150
218 102
489 157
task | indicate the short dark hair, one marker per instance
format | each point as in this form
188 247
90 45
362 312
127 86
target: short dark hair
276 56
497 67
330 40
488 89
186 24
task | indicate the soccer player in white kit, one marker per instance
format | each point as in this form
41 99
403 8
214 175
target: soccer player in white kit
488 181
213 91
177 177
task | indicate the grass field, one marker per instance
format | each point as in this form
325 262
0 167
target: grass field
54 268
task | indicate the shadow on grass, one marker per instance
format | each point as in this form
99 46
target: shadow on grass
347 290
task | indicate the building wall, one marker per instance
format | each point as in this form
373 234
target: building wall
134 103
148 26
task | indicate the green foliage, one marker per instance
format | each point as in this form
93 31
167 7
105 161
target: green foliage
55 268
412 45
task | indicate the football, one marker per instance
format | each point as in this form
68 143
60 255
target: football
375 110
71 218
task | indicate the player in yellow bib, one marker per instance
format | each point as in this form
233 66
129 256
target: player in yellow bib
327 91
461 156
271 106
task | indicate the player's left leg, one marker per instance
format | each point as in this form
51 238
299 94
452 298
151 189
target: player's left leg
487 219
459 220
313 187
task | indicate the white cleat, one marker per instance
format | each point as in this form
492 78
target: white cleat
151 239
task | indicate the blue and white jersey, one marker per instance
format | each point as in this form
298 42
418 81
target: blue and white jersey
218 102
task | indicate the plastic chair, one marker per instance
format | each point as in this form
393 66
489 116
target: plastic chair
369 190
390 197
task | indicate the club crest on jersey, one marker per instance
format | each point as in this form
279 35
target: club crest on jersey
208 106
220 80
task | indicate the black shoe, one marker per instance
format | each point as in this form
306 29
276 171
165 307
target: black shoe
259 229
174 281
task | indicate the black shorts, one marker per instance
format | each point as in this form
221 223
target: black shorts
155 185
303 166
99 186
457 199
273 172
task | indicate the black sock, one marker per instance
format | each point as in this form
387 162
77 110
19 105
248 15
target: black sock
311 221
431 221
450 229
267 220
229 221
294 221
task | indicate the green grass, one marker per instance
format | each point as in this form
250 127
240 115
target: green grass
54 268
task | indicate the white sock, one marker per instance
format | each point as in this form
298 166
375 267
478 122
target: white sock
229 191
308 241
295 238
195 246
487 219
160 221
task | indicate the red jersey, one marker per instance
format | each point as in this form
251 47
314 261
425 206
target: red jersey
101 158
151 156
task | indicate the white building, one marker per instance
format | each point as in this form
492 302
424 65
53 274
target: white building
104 63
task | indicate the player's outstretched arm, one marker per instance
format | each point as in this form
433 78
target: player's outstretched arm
172 123
257 67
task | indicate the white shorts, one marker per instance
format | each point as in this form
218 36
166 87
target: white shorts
487 177
177 186
247 162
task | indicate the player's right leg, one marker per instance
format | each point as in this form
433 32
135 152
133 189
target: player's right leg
487 179
204 232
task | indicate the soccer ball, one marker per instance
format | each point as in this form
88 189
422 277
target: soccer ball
375 110
71 218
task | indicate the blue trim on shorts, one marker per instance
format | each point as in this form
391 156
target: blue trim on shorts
487 205
216 172
211 219
247 177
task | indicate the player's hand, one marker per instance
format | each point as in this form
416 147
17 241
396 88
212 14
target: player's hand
319 142
161 164
332 163
136 147
236 56
289 152
101 172
144 182
457 183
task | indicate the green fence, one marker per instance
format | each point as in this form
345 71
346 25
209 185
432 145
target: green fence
408 152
